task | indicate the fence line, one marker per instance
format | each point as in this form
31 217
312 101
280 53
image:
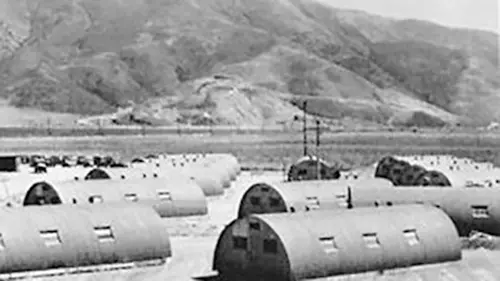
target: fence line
105 131
54 131
287 128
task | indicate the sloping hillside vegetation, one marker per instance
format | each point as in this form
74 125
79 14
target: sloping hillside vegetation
428 71
242 62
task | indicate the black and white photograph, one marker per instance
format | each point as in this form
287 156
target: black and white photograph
249 140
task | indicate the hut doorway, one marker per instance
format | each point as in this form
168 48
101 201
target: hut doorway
254 235
41 193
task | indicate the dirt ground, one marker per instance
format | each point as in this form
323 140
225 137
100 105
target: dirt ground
194 238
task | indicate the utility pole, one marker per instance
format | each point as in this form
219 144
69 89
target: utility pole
49 127
143 129
318 167
305 128
349 198
99 127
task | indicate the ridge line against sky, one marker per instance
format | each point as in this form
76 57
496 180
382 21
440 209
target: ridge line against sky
473 14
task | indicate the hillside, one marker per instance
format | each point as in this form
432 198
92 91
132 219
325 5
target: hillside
242 62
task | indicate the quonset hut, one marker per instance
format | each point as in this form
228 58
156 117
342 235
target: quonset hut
168 198
469 208
401 173
9 163
336 242
209 185
224 167
53 174
212 182
50 237
228 162
119 173
302 196
306 168
199 170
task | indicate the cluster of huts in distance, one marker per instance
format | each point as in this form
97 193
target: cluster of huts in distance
78 219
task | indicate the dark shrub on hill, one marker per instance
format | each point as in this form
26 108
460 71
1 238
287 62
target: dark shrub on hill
431 72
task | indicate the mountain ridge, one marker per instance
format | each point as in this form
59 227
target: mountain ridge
257 59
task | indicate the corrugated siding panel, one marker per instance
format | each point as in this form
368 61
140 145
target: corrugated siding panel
139 235
439 239
187 197
208 179
456 202
315 195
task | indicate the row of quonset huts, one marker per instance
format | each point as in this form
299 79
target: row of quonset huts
437 170
76 221
318 229
414 170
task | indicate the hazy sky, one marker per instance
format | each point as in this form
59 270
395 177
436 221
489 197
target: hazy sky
479 14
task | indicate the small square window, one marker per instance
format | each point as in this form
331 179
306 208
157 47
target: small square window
95 199
240 242
264 189
340 196
255 225
164 195
312 203
104 234
255 201
341 200
302 173
50 237
329 244
480 212
274 202
131 197
270 246
411 236
371 240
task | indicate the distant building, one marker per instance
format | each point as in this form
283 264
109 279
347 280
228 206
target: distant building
306 168
9 163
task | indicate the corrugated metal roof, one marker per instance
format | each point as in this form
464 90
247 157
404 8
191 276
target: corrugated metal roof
470 208
303 195
75 235
311 158
208 180
227 162
364 239
169 197
460 171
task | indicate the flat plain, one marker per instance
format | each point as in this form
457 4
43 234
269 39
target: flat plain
271 149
